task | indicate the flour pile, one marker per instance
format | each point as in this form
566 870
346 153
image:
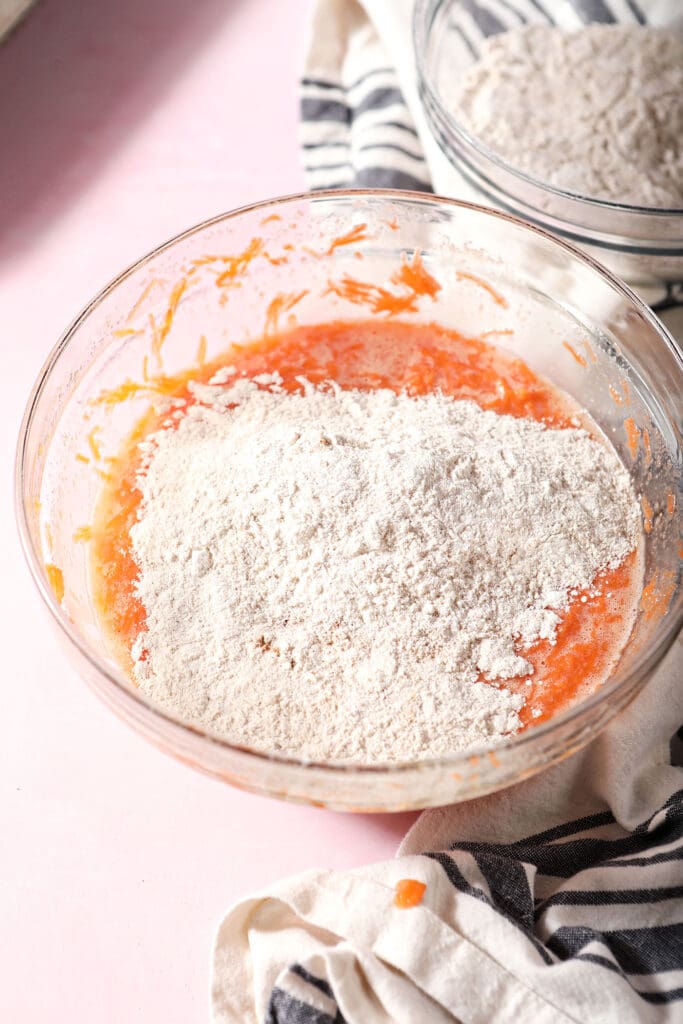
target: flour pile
598 111
328 573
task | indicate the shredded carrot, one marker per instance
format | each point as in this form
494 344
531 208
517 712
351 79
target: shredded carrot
125 332
55 578
276 261
590 351
200 358
282 303
128 389
142 299
577 355
163 332
656 596
378 299
92 442
83 534
415 277
235 266
632 436
356 234
670 505
82 458
497 333
154 332
463 275
131 389
647 447
647 513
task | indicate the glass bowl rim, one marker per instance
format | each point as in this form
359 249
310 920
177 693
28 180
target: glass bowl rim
483 150
631 681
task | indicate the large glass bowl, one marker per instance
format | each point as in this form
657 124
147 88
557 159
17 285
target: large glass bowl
641 244
566 316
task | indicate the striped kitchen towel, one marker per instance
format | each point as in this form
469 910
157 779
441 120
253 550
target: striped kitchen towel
363 123
558 900
357 129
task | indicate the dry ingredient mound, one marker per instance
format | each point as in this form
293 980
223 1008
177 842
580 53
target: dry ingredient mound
598 111
329 573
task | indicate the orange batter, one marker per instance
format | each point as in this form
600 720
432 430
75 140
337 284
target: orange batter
402 357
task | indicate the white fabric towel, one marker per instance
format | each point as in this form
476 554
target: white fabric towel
560 899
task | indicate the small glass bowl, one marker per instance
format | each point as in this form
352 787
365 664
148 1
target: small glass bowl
222 281
641 244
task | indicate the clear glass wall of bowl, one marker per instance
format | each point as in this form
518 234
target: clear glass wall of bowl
555 300
644 246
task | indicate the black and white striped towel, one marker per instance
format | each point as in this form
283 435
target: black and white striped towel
363 124
559 900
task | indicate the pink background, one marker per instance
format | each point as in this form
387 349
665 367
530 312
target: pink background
122 123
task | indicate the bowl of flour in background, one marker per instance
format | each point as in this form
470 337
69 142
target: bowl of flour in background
576 126
538 298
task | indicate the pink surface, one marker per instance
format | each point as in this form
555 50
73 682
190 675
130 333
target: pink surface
121 124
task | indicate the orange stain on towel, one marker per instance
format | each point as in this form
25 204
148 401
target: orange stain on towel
408 893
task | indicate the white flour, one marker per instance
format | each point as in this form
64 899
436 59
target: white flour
598 111
327 574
